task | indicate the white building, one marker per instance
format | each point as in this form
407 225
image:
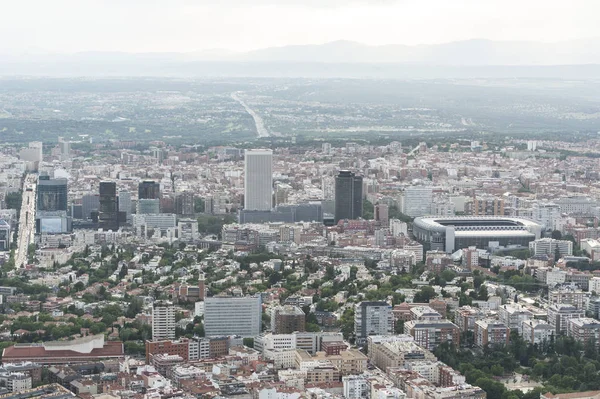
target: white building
163 321
549 246
187 230
559 315
372 318
537 331
16 382
513 316
233 316
556 276
547 214
398 227
576 205
417 200
258 180
591 247
355 386
308 341
272 393
33 153
595 285
155 221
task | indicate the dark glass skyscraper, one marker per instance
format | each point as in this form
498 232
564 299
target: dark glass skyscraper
149 189
52 194
108 212
348 196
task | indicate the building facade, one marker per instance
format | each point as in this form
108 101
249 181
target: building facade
163 321
233 316
348 196
372 318
108 212
258 180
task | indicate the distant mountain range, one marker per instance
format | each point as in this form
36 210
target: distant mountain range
468 53
320 59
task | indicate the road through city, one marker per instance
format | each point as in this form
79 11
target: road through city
26 220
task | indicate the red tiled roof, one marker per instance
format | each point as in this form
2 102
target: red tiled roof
110 349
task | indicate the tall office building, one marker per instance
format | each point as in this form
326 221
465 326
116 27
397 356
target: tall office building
258 180
32 153
163 320
184 203
149 189
65 148
108 211
51 194
348 196
233 316
89 203
372 318
382 212
51 215
125 204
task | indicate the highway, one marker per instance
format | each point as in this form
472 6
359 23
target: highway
26 220
261 130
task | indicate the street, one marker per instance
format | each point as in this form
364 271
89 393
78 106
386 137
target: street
26 220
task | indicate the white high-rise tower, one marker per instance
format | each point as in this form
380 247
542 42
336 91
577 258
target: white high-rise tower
163 321
258 180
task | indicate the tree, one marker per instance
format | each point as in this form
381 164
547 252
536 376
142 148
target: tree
556 234
494 389
123 272
329 273
199 205
399 327
478 280
79 286
425 294
368 210
347 322
448 275
98 328
497 370
13 200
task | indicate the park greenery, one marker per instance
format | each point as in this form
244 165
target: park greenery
560 366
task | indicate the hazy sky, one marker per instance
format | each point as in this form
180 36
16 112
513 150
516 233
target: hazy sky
192 25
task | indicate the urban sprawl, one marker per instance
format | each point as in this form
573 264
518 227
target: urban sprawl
327 270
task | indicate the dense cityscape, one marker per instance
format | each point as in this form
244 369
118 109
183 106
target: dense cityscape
280 269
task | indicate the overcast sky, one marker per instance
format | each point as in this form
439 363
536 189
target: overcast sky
192 25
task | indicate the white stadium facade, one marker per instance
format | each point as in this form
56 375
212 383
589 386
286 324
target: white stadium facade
456 232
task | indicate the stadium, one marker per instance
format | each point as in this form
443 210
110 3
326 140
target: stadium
453 233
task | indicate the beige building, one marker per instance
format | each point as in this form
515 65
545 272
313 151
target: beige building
348 362
392 354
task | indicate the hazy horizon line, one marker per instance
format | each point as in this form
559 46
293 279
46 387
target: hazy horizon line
239 52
